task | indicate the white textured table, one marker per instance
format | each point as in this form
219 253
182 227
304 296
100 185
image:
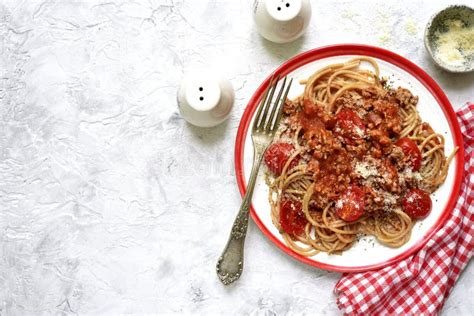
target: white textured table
109 201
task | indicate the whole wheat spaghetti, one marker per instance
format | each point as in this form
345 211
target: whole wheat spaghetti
352 157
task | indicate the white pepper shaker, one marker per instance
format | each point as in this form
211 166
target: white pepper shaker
205 99
282 21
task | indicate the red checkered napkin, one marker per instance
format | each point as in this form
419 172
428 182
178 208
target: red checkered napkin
421 283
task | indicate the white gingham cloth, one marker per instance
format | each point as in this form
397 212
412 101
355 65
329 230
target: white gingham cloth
420 284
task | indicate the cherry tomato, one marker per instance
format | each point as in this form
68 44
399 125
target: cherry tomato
349 125
416 203
410 149
292 218
350 205
277 155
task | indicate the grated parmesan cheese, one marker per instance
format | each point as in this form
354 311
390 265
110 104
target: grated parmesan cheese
408 174
410 27
358 131
455 46
389 199
365 170
417 176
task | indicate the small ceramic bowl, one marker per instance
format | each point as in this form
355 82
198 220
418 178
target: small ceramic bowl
437 25
205 99
282 21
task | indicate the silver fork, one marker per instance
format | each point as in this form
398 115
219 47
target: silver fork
230 264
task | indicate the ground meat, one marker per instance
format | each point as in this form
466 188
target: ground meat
344 101
333 177
404 97
390 114
290 107
372 203
381 137
390 175
376 200
409 179
358 150
370 93
313 166
396 156
351 101
373 119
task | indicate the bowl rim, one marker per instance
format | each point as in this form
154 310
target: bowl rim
427 42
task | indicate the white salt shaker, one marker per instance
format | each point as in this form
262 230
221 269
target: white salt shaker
282 21
205 99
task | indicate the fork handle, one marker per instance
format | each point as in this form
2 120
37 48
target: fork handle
231 263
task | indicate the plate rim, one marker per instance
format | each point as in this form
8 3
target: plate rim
342 50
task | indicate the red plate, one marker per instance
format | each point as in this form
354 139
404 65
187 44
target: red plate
434 107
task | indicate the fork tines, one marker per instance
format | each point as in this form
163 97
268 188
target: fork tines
269 123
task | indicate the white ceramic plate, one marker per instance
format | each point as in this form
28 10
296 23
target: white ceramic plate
434 108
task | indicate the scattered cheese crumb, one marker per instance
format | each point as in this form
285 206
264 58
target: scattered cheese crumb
382 23
408 174
365 170
358 131
385 37
389 199
410 27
